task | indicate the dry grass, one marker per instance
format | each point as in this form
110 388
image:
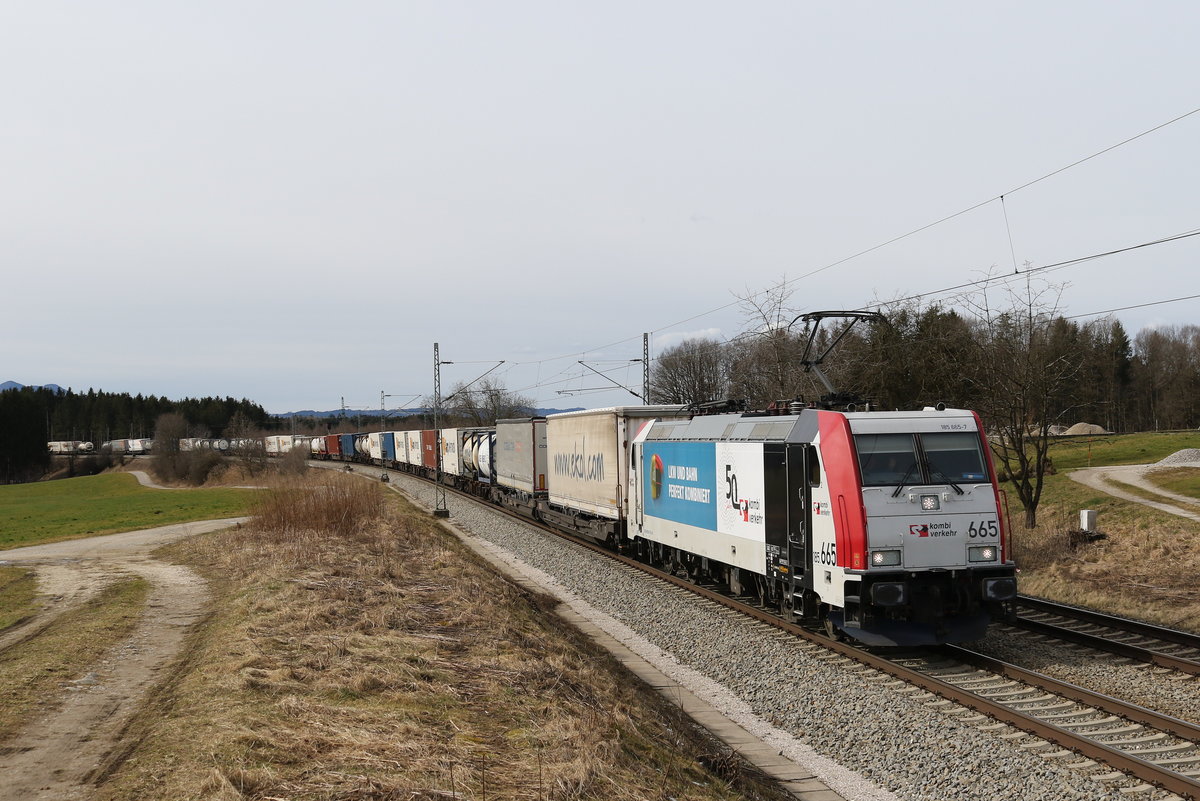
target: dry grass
1145 568
359 652
65 650
18 595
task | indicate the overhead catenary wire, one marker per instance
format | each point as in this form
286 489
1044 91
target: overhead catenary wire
1000 278
1008 229
887 242
1006 277
1135 306
1016 272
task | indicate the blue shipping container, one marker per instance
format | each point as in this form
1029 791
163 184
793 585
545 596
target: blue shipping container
387 441
347 441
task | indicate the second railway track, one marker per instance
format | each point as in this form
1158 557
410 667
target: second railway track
1133 639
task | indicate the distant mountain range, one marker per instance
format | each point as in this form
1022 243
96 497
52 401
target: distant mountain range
15 385
391 412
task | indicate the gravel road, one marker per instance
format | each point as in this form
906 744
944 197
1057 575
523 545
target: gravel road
51 760
1100 478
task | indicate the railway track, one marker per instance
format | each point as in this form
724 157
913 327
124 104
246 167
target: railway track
1155 749
1132 639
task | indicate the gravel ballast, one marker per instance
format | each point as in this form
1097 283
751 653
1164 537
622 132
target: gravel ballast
855 728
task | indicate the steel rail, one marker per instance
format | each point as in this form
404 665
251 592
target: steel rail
1100 643
1115 706
1141 769
1111 621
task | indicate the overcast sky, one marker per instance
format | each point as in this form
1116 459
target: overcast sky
291 202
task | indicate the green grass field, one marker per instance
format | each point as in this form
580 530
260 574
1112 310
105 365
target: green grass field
1114 449
1181 480
85 507
1062 498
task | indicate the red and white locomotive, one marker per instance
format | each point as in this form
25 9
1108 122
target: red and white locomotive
886 525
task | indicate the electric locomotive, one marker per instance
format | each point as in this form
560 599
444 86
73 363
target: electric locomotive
887 526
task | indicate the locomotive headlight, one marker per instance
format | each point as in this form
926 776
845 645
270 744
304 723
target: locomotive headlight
930 503
981 553
884 558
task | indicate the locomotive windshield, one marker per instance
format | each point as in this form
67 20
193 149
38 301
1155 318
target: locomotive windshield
887 459
954 457
890 460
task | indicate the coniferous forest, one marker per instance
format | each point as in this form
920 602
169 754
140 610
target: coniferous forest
32 416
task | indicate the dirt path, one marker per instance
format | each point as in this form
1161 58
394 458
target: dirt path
54 757
144 479
1100 478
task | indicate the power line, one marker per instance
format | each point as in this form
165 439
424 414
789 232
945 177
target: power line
999 197
891 241
913 232
1007 277
1137 306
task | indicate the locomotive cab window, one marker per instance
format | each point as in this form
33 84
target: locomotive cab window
954 456
887 459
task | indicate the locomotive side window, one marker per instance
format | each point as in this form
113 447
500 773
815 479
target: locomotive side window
954 456
887 459
814 467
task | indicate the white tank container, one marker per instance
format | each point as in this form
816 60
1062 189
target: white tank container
484 456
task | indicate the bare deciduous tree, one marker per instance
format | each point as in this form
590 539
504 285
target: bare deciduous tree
167 462
694 371
764 360
484 402
1168 369
1021 370
244 445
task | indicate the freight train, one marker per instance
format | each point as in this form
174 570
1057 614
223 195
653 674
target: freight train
886 527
